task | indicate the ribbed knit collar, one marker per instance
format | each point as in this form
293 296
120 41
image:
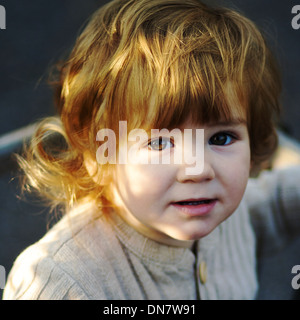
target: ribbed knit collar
155 252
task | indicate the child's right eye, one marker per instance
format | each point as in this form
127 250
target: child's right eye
160 144
222 139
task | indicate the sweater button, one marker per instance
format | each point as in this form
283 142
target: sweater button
203 272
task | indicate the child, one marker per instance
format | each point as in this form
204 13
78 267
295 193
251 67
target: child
138 224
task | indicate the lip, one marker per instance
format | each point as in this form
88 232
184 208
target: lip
195 210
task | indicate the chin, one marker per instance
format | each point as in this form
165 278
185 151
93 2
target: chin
191 235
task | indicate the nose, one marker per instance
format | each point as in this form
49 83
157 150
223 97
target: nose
193 173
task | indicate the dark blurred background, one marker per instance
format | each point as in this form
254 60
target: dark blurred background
39 33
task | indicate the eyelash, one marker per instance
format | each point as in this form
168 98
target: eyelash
232 136
159 140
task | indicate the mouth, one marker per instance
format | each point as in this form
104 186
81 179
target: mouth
194 202
195 207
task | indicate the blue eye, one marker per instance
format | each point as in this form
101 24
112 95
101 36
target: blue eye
221 139
160 144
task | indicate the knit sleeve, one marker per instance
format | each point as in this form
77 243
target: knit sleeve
274 202
40 279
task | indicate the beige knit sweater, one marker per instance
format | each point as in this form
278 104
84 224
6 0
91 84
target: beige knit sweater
86 258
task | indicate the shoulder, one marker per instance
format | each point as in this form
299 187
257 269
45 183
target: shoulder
63 264
36 275
270 181
273 200
276 190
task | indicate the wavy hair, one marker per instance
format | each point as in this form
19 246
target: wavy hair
153 63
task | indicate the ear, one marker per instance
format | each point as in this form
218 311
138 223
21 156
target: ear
100 177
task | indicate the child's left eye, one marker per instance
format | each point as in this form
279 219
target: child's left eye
160 144
221 139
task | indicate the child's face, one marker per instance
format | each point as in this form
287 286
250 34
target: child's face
162 200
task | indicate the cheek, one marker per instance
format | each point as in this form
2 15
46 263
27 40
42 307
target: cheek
236 175
238 182
143 181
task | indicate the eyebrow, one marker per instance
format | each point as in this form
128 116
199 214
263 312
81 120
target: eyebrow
232 122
